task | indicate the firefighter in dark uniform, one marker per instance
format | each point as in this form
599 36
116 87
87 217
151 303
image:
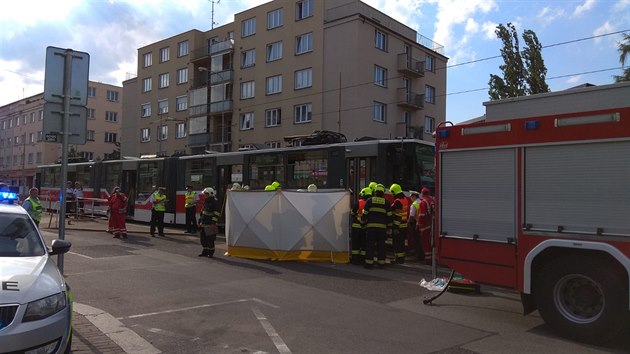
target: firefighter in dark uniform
357 237
377 217
208 222
400 210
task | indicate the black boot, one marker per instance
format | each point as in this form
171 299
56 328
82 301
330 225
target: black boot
203 253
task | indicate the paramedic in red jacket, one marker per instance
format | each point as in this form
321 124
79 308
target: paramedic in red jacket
425 223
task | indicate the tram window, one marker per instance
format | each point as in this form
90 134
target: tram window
51 177
198 173
426 166
264 169
304 168
147 180
83 176
111 176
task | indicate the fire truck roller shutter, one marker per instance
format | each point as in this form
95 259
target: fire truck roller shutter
478 191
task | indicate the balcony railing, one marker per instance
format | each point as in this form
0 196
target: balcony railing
410 66
221 76
199 110
409 99
221 106
205 52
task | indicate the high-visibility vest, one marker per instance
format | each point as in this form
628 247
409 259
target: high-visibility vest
189 199
401 215
36 209
356 221
158 205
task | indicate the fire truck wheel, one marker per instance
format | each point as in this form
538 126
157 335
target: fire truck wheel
583 298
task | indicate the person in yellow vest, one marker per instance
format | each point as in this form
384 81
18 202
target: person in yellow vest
191 199
158 199
33 205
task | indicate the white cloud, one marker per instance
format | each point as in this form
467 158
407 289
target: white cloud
585 7
548 15
621 4
488 29
574 79
607 27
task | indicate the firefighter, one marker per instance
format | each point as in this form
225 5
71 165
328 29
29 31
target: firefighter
372 185
425 223
191 198
414 213
208 222
377 217
33 205
400 211
357 237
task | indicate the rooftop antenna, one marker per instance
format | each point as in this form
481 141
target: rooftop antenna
212 13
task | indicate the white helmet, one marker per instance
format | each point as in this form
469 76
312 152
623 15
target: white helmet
245 187
312 188
209 191
236 187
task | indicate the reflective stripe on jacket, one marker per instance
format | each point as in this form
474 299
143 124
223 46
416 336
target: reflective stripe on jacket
159 205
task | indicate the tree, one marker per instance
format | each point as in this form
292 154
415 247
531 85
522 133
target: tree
624 53
523 72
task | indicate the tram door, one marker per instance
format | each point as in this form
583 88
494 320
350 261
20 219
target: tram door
360 173
128 184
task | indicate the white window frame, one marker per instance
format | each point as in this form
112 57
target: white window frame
147 59
145 135
180 130
91 91
111 116
163 106
248 90
165 79
90 135
429 94
147 84
112 96
182 49
274 51
145 110
303 9
380 40
275 18
379 112
248 58
163 132
429 124
247 121
165 54
304 43
303 113
380 76
273 117
248 27
181 103
110 137
429 63
182 76
303 78
274 85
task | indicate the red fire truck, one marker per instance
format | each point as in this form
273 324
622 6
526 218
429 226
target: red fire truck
541 205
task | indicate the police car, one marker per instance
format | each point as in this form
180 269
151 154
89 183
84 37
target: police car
35 300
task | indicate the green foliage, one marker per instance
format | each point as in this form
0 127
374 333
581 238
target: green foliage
624 53
524 71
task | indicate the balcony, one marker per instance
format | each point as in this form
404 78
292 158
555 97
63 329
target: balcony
199 110
221 106
198 139
411 67
204 53
221 76
410 100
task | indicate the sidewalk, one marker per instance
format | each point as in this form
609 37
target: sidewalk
50 222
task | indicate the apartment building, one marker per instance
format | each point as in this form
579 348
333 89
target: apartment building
281 71
23 147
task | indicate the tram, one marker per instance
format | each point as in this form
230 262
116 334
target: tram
348 165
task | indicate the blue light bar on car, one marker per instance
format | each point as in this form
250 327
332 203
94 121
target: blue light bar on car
8 196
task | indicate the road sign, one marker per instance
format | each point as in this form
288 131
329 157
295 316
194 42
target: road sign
55 67
50 138
53 123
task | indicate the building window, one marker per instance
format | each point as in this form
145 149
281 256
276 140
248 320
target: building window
90 135
248 58
145 110
303 9
429 124
274 51
181 131
274 18
165 54
380 111
380 76
164 80
147 84
182 76
303 113
112 96
181 103
380 40
111 116
247 121
163 106
88 155
30 158
145 135
182 48
272 144
91 91
38 157
303 78
273 117
147 60
31 138
429 63
32 117
40 135
304 43
249 27
91 113
247 89
163 132
274 84
110 137
41 115
429 94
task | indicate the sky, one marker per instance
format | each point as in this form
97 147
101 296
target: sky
579 38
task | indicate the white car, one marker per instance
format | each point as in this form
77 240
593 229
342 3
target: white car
35 300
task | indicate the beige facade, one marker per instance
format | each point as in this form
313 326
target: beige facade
22 144
286 69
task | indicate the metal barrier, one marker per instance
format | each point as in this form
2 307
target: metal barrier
81 209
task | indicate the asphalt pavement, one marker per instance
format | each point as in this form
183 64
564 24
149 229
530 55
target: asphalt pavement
91 335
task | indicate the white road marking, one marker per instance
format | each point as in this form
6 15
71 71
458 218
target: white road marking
127 339
195 308
271 332
80 255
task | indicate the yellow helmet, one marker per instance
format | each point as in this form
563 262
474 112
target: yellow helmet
366 192
379 188
395 189
275 184
372 185
270 187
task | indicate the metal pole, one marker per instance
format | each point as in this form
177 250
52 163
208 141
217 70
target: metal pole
67 81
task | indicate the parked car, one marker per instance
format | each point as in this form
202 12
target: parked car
35 299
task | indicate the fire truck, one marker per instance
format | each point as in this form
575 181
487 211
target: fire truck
541 204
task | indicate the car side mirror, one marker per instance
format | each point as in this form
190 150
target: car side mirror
60 247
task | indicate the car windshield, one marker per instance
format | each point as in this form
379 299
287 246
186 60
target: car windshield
18 237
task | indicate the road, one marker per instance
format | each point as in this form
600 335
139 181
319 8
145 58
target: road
158 291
